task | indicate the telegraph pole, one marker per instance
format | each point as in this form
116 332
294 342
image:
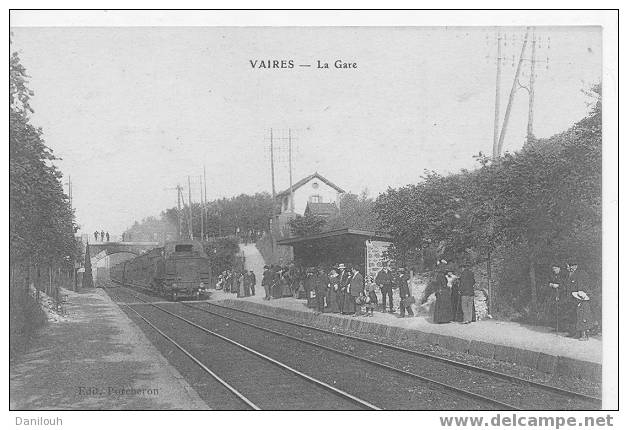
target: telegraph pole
202 209
290 168
205 195
513 90
272 166
530 134
497 96
190 226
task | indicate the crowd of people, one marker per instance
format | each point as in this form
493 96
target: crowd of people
339 289
569 300
239 282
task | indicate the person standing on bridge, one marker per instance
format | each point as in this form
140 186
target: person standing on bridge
107 234
102 235
96 236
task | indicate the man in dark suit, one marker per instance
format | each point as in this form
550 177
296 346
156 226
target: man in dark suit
267 279
344 277
320 286
384 279
356 288
401 280
467 294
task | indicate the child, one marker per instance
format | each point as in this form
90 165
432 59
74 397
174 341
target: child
584 316
371 296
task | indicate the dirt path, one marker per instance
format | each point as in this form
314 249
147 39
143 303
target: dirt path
255 262
96 359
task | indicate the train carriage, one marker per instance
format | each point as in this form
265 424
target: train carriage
179 269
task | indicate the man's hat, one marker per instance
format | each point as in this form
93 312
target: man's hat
266 266
341 266
580 295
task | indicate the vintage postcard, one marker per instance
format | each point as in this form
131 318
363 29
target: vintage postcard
239 210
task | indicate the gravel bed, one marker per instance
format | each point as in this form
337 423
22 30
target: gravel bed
267 385
385 388
520 395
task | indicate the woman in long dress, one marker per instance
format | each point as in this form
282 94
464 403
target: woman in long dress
332 292
348 301
240 284
442 306
275 290
286 290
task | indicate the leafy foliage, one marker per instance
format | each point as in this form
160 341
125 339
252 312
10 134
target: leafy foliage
41 227
306 225
357 212
542 203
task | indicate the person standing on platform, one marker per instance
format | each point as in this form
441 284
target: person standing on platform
240 282
405 304
384 279
577 281
246 280
344 277
310 288
467 294
253 282
267 278
333 302
275 290
371 296
584 315
442 305
356 289
320 286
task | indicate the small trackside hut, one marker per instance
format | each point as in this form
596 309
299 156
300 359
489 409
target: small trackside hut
361 248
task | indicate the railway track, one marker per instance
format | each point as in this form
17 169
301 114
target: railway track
440 394
255 379
586 401
510 389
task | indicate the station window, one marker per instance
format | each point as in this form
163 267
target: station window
315 198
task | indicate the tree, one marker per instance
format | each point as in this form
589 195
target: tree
537 205
41 221
306 225
357 212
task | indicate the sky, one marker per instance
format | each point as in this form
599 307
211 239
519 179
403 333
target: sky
132 111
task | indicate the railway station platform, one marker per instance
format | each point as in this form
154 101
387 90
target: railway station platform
535 347
95 357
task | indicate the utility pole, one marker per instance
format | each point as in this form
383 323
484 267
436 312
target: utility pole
513 90
290 168
530 134
202 209
272 166
190 226
180 219
497 96
272 178
205 195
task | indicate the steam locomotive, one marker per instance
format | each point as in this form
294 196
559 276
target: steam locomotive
179 269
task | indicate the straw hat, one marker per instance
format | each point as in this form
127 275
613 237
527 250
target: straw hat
580 295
